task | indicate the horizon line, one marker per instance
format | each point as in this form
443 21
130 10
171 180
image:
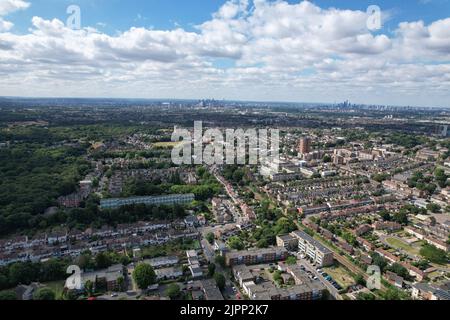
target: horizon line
223 100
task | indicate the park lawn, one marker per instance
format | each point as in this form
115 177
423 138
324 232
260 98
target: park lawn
340 275
398 244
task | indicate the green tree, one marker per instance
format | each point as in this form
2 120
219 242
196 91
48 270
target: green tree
365 296
401 217
433 207
350 238
327 158
173 291
441 177
379 261
120 284
399 270
89 288
211 269
70 295
235 243
103 260
220 280
291 260
44 294
359 279
52 269
8 295
283 226
262 243
277 275
395 294
144 275
380 177
385 215
210 237
422 264
23 272
220 260
4 282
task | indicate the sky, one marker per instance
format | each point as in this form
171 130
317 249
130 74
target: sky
259 50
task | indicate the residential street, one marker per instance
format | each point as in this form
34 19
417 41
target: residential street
333 291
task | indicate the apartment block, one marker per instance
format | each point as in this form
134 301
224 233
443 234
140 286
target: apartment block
313 249
161 200
256 256
287 241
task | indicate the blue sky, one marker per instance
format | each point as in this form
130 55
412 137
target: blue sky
120 15
285 50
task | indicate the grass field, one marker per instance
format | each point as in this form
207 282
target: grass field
340 275
399 244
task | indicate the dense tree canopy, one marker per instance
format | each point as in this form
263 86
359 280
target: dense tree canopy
32 177
434 254
144 275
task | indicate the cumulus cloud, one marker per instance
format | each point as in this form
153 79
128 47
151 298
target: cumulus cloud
297 51
5 25
7 7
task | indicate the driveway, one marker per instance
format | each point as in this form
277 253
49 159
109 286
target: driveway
333 291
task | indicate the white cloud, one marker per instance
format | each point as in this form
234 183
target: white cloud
280 51
9 6
5 25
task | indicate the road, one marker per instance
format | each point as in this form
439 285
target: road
238 202
120 296
333 291
228 292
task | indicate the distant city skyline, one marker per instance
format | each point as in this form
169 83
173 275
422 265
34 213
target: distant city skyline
238 50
